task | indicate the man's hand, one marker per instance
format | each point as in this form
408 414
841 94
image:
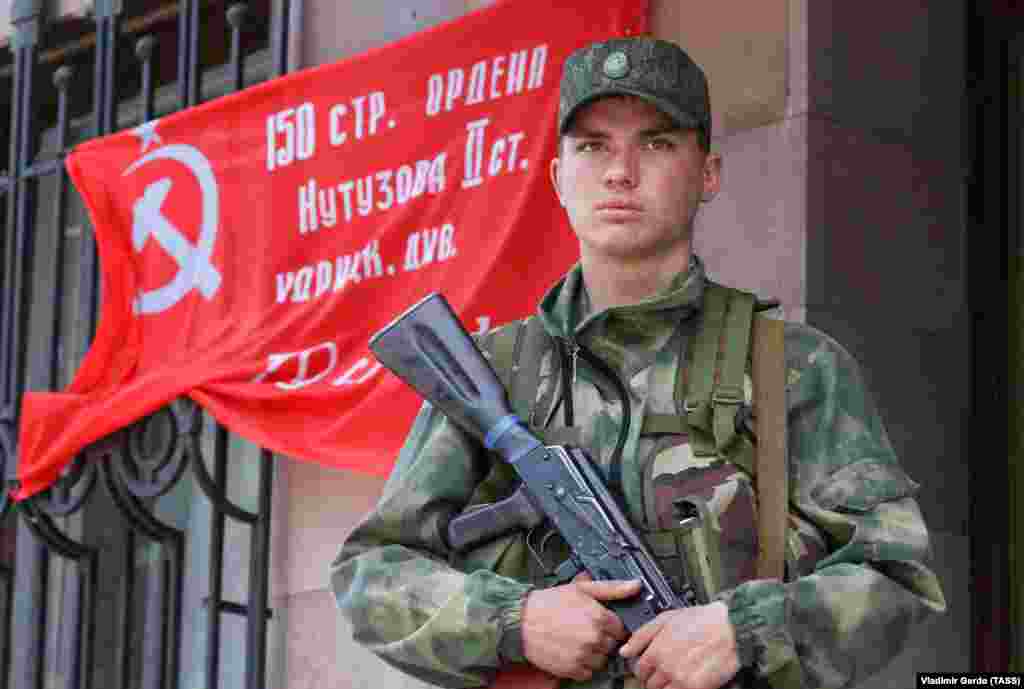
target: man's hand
689 648
568 632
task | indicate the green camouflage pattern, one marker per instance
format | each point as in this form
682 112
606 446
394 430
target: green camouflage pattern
857 549
655 70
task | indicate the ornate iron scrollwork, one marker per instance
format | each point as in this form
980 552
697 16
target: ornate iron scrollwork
156 449
69 492
214 489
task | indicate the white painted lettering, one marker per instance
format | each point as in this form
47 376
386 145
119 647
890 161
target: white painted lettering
516 73
537 62
357 105
447 247
384 187
338 136
435 182
376 110
284 286
307 207
328 205
303 281
497 71
364 195
304 359
474 153
352 377
346 196
477 82
412 252
435 91
373 266
497 159
454 90
324 271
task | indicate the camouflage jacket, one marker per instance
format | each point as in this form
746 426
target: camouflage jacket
844 610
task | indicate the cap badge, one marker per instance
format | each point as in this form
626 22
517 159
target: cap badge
616 65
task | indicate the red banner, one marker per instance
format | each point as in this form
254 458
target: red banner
252 245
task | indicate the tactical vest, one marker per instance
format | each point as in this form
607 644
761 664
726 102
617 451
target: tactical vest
710 390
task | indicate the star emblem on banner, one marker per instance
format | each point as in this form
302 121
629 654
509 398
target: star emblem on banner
147 132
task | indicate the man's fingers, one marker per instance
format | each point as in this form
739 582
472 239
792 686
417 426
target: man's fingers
610 590
641 638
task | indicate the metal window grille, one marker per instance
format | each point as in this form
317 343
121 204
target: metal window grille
93 570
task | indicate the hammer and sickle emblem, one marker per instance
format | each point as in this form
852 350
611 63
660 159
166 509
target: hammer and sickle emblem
195 271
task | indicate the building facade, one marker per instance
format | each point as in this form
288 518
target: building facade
871 158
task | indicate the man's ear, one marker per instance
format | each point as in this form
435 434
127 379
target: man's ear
553 171
712 176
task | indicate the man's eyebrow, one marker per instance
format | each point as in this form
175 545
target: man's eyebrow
584 133
650 132
662 129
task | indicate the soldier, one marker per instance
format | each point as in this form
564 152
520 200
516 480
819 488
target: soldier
623 352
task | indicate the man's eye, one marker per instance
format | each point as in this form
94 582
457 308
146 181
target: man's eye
588 146
660 144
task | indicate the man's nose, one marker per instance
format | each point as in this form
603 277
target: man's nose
622 169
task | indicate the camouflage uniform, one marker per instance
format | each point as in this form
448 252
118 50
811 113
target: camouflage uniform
857 579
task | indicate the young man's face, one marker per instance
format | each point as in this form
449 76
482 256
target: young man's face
631 180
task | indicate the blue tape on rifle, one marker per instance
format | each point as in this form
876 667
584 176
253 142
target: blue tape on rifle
499 429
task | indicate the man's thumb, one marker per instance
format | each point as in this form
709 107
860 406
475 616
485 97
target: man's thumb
610 590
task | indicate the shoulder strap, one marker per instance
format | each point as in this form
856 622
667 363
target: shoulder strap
714 392
769 374
718 361
728 394
699 380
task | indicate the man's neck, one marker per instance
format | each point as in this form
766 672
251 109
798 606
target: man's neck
613 282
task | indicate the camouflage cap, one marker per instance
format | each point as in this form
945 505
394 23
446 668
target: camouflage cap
655 70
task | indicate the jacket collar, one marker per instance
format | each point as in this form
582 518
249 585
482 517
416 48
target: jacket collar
565 310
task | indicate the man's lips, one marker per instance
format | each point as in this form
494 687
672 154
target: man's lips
618 206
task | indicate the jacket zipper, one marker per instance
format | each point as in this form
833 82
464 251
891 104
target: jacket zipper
575 351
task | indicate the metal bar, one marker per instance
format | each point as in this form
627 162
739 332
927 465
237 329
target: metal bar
24 244
281 38
195 75
217 525
23 58
89 572
154 627
8 601
236 20
44 167
184 61
81 618
8 298
259 589
71 619
144 51
28 624
100 75
61 79
28 611
175 553
111 24
126 623
231 608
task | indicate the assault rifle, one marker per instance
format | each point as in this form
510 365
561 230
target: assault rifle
429 349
